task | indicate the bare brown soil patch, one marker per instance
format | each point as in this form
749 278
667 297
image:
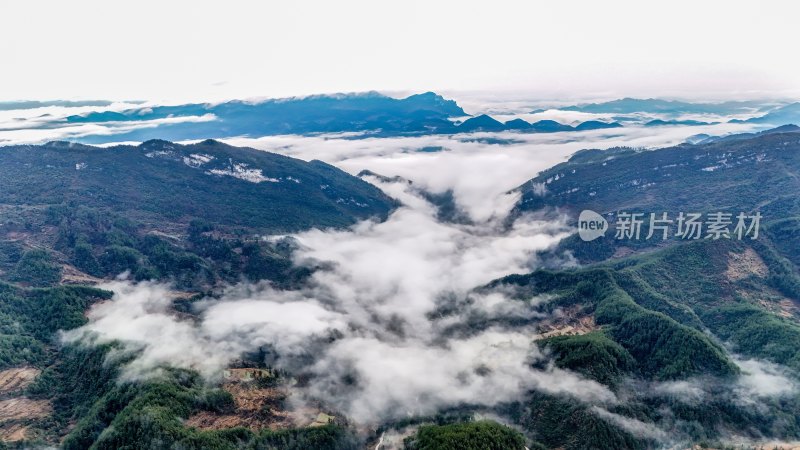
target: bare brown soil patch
71 275
16 412
258 405
16 379
568 322
21 408
13 432
745 264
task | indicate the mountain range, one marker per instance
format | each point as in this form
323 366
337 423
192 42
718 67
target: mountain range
361 115
659 106
784 115
697 341
371 114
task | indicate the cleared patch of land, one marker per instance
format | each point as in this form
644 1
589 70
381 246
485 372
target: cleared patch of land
745 264
18 378
13 432
567 322
259 404
21 408
71 275
16 412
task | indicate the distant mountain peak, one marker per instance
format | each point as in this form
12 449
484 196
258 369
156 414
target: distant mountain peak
212 143
550 126
482 122
427 94
596 125
155 143
450 106
517 124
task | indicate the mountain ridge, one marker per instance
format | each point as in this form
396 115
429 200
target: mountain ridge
368 114
166 181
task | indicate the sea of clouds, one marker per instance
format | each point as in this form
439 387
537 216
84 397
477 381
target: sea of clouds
366 328
373 329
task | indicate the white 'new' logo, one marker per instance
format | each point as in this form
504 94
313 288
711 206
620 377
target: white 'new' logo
591 225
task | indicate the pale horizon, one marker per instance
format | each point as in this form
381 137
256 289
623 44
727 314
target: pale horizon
196 52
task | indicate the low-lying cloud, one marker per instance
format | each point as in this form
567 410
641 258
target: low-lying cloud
479 168
368 330
375 331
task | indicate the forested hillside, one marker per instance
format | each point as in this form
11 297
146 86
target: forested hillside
681 333
668 331
165 183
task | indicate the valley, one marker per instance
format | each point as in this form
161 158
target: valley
399 225
170 292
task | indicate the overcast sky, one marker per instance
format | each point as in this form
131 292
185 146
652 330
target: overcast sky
200 50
